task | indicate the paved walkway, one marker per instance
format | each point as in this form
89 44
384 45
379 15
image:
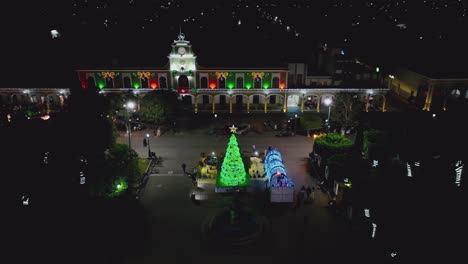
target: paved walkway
174 222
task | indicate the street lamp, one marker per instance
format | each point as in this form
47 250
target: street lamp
328 102
295 124
149 148
130 106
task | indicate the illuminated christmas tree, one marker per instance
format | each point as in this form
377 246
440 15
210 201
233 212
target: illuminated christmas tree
233 170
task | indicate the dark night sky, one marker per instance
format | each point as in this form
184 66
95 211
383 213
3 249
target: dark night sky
139 33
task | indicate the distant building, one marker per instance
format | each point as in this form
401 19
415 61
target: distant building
430 92
294 87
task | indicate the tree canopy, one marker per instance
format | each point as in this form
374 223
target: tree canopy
158 106
346 110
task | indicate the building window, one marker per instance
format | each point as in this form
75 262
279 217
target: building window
222 82
109 82
240 82
127 82
183 81
162 82
203 82
299 80
144 82
275 82
91 83
258 83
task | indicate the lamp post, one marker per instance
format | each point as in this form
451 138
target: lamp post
295 124
328 102
129 106
149 147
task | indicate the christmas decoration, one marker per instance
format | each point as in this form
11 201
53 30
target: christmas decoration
233 170
143 75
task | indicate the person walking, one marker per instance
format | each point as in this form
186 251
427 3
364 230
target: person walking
184 167
145 143
308 191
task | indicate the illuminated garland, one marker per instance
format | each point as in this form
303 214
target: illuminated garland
221 74
144 74
108 74
258 74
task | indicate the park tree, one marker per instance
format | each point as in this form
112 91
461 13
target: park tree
346 110
114 172
233 171
158 106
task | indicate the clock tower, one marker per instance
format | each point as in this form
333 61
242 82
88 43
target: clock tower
182 63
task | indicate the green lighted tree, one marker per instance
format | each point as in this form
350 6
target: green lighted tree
233 170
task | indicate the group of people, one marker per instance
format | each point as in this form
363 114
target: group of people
305 194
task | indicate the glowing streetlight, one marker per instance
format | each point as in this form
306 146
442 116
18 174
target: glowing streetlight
328 102
149 148
295 124
130 106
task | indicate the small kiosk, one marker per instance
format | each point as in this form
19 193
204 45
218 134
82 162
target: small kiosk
281 187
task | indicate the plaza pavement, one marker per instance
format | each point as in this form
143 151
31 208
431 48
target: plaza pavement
310 232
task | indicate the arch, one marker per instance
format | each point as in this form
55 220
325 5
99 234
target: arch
222 99
275 82
127 82
203 82
311 101
144 82
183 81
294 100
466 94
239 99
90 82
257 83
187 99
162 82
205 98
272 99
256 99
109 82
14 99
239 82
222 82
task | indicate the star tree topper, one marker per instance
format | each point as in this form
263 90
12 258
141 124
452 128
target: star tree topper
233 129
